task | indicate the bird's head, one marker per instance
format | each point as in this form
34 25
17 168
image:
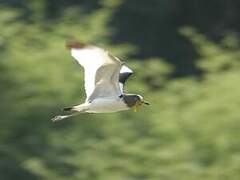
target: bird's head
134 101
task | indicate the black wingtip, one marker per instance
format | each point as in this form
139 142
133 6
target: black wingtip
124 76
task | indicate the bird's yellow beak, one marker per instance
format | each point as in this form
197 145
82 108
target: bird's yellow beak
138 104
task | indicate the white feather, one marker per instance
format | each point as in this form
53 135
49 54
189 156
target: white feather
125 69
101 71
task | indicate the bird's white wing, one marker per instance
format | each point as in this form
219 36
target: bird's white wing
101 71
125 73
106 82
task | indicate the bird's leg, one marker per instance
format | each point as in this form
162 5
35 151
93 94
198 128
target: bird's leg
61 117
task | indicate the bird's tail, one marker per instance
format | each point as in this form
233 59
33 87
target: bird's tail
75 109
68 109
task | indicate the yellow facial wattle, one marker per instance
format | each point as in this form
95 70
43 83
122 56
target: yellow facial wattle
137 106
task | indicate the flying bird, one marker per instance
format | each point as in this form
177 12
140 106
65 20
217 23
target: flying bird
104 76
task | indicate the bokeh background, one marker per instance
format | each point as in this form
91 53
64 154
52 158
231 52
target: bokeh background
186 58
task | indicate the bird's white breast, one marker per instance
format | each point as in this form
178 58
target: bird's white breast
106 105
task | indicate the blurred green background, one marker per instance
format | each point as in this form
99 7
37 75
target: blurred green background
186 58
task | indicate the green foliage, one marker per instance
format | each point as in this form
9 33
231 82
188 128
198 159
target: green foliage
190 131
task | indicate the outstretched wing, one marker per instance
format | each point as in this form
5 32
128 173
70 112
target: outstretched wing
125 73
101 70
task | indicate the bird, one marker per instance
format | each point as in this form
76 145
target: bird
104 79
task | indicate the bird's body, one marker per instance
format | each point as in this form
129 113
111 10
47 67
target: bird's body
104 77
103 105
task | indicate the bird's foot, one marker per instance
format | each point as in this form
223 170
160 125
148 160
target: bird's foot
58 118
